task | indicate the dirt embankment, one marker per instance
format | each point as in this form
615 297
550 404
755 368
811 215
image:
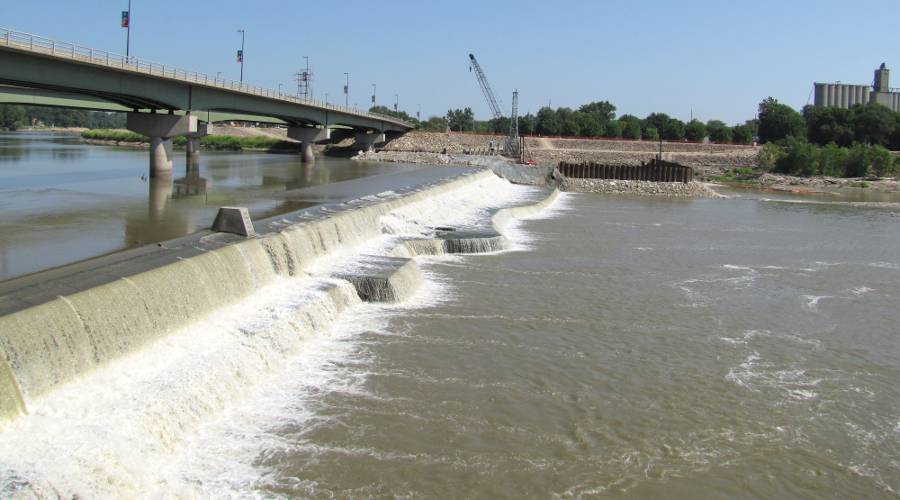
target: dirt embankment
815 185
708 159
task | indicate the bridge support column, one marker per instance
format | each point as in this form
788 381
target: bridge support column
160 156
307 137
160 129
367 141
192 149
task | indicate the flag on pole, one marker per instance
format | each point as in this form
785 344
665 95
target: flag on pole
373 98
345 90
240 56
124 18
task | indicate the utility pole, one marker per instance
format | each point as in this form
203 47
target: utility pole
240 55
419 112
347 91
304 82
126 23
373 94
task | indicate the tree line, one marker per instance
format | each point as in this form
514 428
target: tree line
14 117
829 141
595 119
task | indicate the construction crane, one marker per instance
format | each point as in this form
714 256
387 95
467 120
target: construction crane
485 87
512 141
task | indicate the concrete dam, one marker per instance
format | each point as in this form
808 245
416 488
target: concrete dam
143 354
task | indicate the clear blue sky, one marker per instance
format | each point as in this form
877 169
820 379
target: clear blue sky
718 58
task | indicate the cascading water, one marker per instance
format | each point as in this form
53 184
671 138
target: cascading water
116 379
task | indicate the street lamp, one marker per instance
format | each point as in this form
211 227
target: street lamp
373 94
126 23
347 91
240 55
218 74
419 113
326 98
279 90
396 101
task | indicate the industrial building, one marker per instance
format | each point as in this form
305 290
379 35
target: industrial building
840 95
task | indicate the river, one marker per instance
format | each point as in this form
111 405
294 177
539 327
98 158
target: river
55 188
624 347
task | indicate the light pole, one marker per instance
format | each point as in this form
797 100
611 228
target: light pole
279 90
309 94
373 94
126 23
326 98
347 91
419 113
218 74
396 101
240 56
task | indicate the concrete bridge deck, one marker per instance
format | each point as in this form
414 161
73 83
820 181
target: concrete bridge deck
165 101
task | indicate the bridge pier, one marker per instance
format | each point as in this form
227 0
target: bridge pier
160 156
160 129
307 137
366 141
192 149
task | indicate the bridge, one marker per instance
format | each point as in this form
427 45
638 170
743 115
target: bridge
163 102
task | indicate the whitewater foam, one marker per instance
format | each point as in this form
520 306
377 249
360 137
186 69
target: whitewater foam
190 413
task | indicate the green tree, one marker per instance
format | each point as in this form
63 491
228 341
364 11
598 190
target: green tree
12 117
603 110
656 120
649 133
384 110
800 158
718 132
872 124
482 127
832 159
568 125
857 163
613 130
778 121
825 125
631 127
461 119
753 125
673 130
499 125
589 125
435 124
768 156
695 131
741 134
882 162
526 124
547 122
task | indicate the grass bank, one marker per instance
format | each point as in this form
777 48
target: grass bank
214 142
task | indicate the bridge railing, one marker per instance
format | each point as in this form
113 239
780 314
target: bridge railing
56 48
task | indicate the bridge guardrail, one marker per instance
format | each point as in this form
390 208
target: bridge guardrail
42 45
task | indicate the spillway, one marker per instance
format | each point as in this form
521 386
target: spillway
143 358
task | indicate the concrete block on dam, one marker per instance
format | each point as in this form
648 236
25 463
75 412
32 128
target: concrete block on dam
234 220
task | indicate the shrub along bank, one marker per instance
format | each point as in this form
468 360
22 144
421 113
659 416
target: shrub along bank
798 157
215 142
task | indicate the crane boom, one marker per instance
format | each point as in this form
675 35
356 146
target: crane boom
485 87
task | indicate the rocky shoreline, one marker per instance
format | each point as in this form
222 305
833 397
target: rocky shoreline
644 188
812 185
